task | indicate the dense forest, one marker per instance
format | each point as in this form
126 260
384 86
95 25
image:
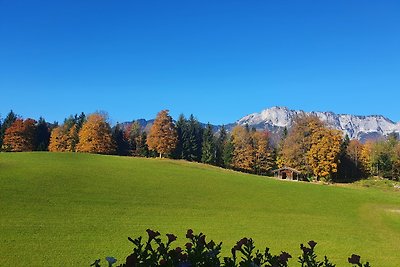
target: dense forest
319 152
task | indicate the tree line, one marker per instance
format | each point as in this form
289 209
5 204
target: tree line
309 146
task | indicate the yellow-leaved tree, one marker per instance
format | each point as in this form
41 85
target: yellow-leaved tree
298 142
162 137
324 153
62 139
251 150
263 157
243 152
95 136
366 157
354 153
58 140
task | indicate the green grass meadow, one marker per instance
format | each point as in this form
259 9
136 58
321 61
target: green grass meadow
68 209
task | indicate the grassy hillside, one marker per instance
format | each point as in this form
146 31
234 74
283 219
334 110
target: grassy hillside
69 209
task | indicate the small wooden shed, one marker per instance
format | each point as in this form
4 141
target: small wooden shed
287 173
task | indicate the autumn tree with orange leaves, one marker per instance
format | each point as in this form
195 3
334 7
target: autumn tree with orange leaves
251 151
65 137
354 154
243 158
62 139
298 142
162 136
354 150
366 157
312 148
263 152
20 136
95 136
323 154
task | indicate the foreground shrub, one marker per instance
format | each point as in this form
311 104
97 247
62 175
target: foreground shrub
199 253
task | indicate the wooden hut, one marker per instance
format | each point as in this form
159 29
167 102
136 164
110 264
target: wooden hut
287 173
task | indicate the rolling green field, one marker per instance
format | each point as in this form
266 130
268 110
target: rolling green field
68 209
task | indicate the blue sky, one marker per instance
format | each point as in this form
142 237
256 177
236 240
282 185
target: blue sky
219 60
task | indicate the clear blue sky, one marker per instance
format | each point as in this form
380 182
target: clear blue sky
219 60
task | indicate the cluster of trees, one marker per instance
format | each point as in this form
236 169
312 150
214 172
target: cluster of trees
18 135
244 149
65 137
323 153
309 146
374 158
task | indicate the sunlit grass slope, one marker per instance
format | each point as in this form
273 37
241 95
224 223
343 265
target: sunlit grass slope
69 209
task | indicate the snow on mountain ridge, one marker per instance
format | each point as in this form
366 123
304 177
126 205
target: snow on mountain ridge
353 125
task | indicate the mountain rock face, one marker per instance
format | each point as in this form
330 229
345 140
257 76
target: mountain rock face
356 127
275 120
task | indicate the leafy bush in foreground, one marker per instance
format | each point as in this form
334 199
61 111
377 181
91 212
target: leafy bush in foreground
199 253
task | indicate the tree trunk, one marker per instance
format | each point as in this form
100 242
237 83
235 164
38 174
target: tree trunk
160 155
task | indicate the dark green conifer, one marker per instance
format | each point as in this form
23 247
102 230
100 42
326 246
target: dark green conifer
42 135
227 153
181 126
142 148
193 143
122 145
209 147
221 140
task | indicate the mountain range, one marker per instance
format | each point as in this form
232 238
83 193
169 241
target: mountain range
275 119
356 127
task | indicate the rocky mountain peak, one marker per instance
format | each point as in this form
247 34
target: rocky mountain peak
358 127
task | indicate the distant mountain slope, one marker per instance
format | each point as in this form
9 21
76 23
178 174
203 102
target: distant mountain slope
275 119
358 127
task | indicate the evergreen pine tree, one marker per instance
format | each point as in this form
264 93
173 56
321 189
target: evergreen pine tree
181 126
227 153
122 145
42 135
69 122
194 140
208 148
142 148
186 144
79 121
222 139
345 165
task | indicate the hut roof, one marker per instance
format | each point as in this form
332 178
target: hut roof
287 168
